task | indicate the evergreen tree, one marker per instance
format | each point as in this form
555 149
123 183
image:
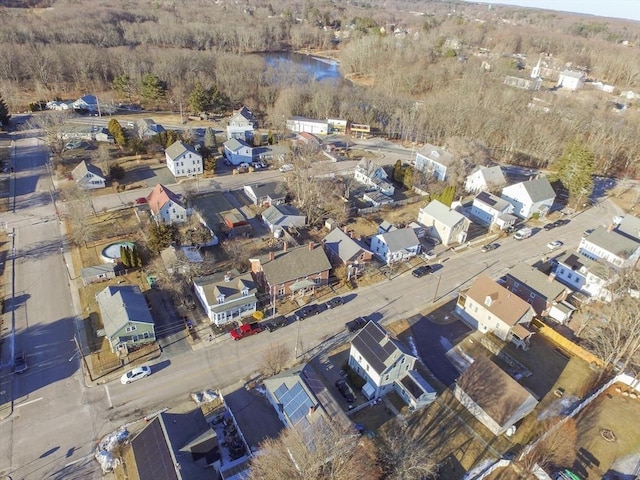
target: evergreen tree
4 113
210 140
198 98
124 256
117 132
398 173
575 171
152 89
407 179
122 85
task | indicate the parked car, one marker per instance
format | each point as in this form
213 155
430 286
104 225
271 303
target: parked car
422 270
20 363
550 226
335 302
306 311
141 201
429 255
512 228
275 323
490 246
523 233
356 324
555 244
560 222
257 165
287 167
588 232
245 330
135 374
345 390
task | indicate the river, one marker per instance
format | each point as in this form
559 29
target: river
305 67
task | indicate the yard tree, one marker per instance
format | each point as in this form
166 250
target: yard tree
574 169
152 89
4 113
275 359
199 98
160 236
210 140
116 130
102 157
316 452
398 171
125 256
123 86
52 124
407 178
78 207
556 445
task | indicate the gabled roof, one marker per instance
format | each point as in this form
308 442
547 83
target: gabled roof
243 114
228 285
83 167
538 190
342 244
442 213
436 154
369 168
400 239
120 305
613 242
537 281
499 395
150 124
294 263
505 305
583 265
178 148
235 144
160 196
276 213
572 74
378 348
492 175
629 227
272 190
492 201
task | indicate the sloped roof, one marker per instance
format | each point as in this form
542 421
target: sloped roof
83 167
342 244
178 147
105 268
492 175
377 347
369 168
159 197
436 154
492 201
276 213
269 189
299 118
216 285
505 305
572 74
120 305
294 263
235 144
629 227
537 281
613 242
442 213
400 239
538 189
580 263
243 114
499 395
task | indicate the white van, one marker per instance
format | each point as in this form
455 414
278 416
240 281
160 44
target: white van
287 167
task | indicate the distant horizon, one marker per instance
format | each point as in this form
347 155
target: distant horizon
622 9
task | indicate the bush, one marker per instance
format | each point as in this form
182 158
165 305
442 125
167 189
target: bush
116 172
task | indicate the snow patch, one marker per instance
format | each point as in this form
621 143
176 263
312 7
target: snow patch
206 396
560 407
110 443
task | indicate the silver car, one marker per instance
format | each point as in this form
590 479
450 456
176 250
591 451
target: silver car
135 374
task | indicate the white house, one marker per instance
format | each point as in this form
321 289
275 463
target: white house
148 128
488 209
433 159
166 206
266 194
484 179
618 244
301 124
443 223
387 365
529 198
241 125
183 160
226 296
396 245
88 176
571 80
584 275
277 217
372 175
58 105
87 103
238 151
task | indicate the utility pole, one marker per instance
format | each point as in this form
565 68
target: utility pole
435 294
84 360
297 339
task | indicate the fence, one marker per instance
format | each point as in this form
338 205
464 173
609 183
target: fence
398 203
566 344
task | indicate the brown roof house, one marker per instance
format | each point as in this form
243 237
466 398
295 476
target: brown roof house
490 308
493 397
166 206
291 271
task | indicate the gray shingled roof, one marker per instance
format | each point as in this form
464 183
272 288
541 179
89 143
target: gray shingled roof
269 189
580 263
492 175
377 347
294 263
178 147
83 167
276 213
536 281
122 304
235 144
492 200
613 242
400 239
630 227
539 189
443 214
440 156
215 285
342 244
106 268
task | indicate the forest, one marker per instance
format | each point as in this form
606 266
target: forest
428 71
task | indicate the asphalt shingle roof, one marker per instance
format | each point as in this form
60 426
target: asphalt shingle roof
443 214
539 189
83 167
178 147
294 263
120 305
377 347
276 213
536 281
613 242
505 305
400 239
342 244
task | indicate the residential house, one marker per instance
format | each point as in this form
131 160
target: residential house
388 365
59 106
444 223
371 175
148 128
396 245
174 446
77 132
618 244
493 397
126 317
490 308
226 296
166 206
435 160
104 135
238 151
301 399
309 141
484 179
545 295
375 198
87 103
584 275
181 260
87 176
183 160
344 249
292 271
277 217
301 124
489 209
100 273
266 194
530 198
241 125
571 80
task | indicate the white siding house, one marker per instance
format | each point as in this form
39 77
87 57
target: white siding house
571 80
484 178
444 223
533 197
488 209
396 245
226 296
619 244
301 124
183 160
166 206
241 125
435 160
584 275
372 175
88 176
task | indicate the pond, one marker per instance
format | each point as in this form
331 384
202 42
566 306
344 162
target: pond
308 66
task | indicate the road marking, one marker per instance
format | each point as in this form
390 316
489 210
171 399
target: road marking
77 461
28 403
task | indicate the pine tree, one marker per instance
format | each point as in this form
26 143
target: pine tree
398 174
210 140
4 113
575 171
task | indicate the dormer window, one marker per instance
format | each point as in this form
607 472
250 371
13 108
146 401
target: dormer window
220 299
488 300
245 292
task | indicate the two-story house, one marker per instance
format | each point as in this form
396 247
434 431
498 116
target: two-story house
388 365
148 128
266 194
434 160
396 245
166 206
183 160
618 244
226 296
444 223
87 103
530 198
483 179
238 151
342 248
294 271
545 294
488 209
584 275
88 176
490 308
372 175
241 125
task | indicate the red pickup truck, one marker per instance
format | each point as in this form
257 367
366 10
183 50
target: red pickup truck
245 330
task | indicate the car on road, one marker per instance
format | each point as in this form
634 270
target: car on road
335 302
512 228
20 363
141 200
245 330
345 390
275 323
306 311
588 232
135 374
287 167
550 226
560 222
422 271
356 324
490 246
555 244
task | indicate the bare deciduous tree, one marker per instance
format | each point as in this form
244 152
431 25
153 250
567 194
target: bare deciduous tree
78 209
52 125
275 359
557 445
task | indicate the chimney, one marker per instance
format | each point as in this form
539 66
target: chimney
227 277
311 246
272 255
284 245
552 277
350 232
610 227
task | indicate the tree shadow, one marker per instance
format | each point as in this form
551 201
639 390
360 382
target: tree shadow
11 304
40 249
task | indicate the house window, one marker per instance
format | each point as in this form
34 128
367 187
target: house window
402 360
569 276
317 280
532 295
245 292
386 377
146 335
220 299
281 290
131 328
516 284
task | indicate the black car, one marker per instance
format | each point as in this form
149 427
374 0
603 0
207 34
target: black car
422 271
512 228
561 222
356 324
276 323
345 390
550 226
335 302
307 311
490 246
20 363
